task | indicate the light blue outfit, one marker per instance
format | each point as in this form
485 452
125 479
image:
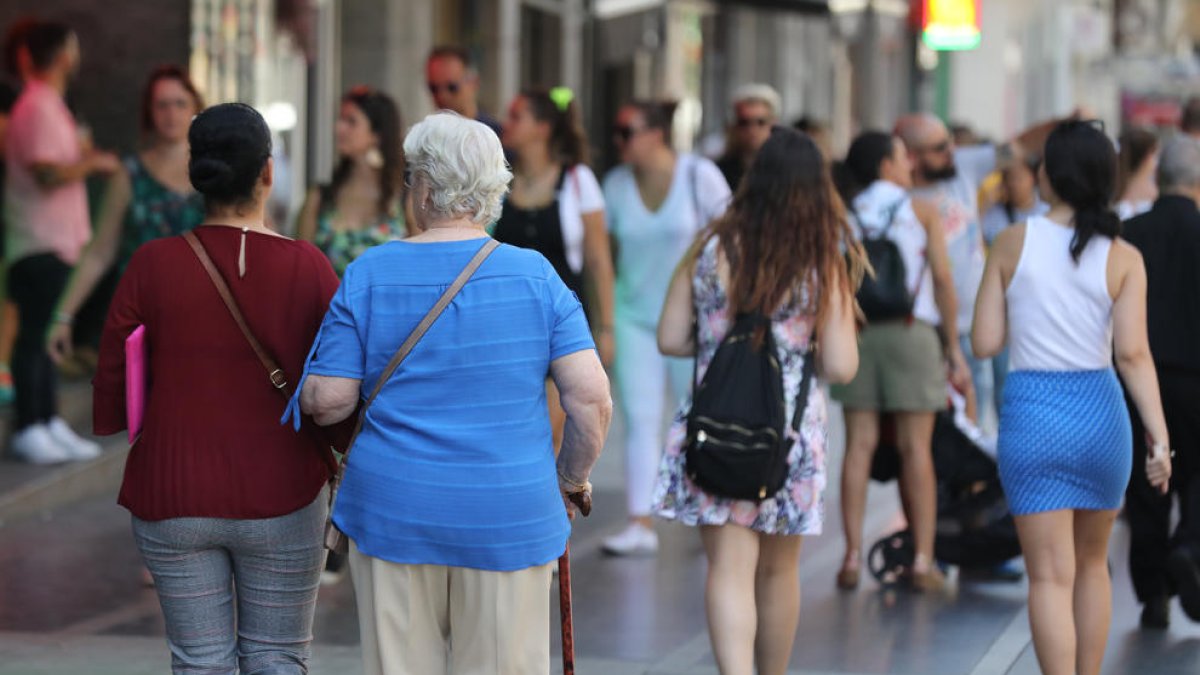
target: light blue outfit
455 464
998 218
649 246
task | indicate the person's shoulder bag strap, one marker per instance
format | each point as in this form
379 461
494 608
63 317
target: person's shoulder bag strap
335 539
274 372
415 336
809 372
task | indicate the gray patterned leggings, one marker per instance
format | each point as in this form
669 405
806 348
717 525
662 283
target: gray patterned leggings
269 567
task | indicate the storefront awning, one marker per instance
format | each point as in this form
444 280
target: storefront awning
803 6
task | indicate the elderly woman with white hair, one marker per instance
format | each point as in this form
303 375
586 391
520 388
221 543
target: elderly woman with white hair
453 501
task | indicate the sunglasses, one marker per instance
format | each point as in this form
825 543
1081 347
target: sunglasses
449 87
625 132
747 122
939 148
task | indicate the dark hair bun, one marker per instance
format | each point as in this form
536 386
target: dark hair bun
210 175
230 144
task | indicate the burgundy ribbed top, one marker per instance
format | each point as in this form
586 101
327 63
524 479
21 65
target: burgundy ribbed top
211 444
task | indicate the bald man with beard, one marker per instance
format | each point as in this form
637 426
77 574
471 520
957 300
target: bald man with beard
949 178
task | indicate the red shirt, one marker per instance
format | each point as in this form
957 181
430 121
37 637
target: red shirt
212 444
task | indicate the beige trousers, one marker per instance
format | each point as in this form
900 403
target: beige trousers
435 620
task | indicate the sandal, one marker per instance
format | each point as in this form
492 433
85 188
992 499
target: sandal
847 577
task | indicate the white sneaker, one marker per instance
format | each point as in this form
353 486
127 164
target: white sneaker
635 539
35 445
77 448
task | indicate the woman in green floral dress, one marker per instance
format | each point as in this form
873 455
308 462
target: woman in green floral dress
149 198
360 207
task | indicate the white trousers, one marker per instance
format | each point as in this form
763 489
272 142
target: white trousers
642 375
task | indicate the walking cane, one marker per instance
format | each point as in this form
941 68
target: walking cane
564 612
582 500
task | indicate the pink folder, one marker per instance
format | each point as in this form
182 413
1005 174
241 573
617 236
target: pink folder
135 382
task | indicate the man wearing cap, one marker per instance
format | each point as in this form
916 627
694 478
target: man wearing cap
755 111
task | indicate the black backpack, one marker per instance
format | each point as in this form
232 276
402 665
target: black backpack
885 296
736 444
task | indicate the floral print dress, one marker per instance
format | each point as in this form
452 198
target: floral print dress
343 246
797 508
155 211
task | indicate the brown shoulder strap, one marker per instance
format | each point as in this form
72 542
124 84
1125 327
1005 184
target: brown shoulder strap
423 327
274 372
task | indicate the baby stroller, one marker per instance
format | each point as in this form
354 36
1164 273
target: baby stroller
974 526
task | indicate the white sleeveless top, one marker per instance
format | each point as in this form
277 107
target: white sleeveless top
872 210
1060 312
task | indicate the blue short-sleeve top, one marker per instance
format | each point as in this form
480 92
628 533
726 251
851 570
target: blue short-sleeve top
455 464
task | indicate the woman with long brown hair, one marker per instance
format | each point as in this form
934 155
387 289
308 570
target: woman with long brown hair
361 205
777 253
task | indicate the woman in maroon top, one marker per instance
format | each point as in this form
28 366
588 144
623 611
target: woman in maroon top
223 497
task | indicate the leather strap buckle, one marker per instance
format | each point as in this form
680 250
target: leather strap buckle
278 378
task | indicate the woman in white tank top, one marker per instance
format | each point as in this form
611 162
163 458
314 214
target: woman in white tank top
1062 288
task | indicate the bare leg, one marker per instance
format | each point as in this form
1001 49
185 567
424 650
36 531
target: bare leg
1049 549
729 596
862 436
1093 588
777 591
914 440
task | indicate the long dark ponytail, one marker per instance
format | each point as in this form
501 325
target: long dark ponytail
1081 165
861 166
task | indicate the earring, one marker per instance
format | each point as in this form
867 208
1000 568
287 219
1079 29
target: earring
374 158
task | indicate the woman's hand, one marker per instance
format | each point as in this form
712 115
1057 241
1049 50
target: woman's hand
59 343
960 372
1158 465
576 496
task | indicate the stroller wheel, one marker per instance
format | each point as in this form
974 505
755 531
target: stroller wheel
891 557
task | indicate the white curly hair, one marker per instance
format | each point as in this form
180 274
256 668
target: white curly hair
462 163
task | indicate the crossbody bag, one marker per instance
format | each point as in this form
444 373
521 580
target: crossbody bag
335 539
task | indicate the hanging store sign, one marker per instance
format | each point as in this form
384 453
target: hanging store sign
950 25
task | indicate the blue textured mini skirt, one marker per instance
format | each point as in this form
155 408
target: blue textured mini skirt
1065 441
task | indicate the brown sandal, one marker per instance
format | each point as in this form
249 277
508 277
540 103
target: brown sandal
847 578
930 581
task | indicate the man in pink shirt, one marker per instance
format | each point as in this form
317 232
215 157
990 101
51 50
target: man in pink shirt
46 212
